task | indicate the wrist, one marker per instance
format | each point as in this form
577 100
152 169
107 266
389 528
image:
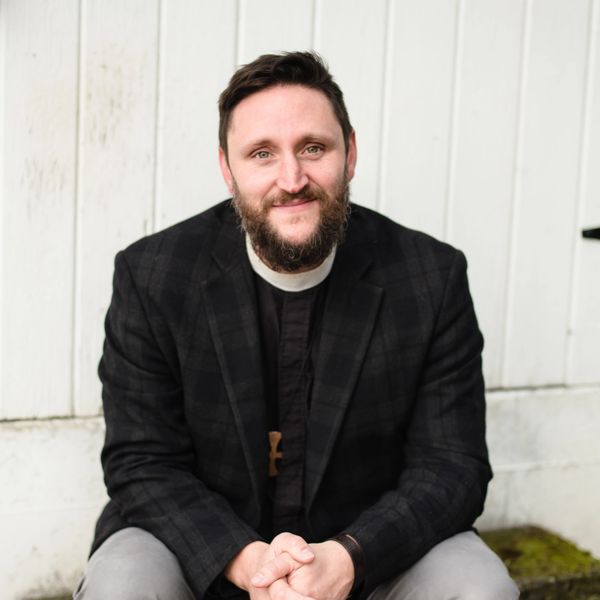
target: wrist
244 564
357 557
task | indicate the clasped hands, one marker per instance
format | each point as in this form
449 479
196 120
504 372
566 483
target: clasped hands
290 569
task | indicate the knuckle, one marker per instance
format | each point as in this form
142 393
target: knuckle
287 542
267 570
276 566
288 562
281 536
295 542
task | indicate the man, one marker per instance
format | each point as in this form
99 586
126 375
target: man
294 407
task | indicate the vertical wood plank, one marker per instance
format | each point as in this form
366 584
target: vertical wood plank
197 58
116 166
545 225
352 38
274 26
420 101
39 146
583 361
3 82
479 222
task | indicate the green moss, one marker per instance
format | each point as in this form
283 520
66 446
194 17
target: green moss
545 566
530 553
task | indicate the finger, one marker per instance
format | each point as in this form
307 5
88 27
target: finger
258 593
281 590
294 545
280 566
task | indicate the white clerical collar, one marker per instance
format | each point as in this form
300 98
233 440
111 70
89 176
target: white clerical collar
290 282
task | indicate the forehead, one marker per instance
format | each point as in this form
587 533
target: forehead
283 110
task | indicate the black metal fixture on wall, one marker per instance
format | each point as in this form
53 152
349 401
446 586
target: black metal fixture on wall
593 234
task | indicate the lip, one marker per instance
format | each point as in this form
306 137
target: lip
293 205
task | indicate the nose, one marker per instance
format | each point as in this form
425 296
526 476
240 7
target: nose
291 177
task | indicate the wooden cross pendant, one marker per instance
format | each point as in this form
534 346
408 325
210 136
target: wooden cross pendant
274 454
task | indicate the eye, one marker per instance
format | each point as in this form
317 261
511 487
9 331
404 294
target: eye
313 149
262 154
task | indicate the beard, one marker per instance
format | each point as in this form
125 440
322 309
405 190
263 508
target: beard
287 256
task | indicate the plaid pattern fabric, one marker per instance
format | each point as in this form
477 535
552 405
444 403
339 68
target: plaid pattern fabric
396 454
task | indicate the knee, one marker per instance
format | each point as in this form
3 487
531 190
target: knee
500 589
95 588
121 586
133 565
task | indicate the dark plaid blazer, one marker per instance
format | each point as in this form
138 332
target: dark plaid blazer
396 453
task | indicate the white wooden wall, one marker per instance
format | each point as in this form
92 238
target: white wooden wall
477 121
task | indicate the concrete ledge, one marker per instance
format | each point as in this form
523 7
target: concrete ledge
51 498
545 453
545 566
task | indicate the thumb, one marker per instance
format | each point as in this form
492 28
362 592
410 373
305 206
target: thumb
278 568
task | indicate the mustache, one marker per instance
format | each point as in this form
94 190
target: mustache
306 193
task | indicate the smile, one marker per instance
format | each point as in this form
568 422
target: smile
293 204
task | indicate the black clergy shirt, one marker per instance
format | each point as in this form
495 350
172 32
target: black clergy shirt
290 325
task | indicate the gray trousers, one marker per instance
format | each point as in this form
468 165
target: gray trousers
133 565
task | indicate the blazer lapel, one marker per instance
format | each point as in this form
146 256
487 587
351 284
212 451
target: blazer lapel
350 313
233 321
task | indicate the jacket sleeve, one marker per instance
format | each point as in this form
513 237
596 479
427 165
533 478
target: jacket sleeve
443 480
148 457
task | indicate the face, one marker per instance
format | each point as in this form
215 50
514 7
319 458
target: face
288 169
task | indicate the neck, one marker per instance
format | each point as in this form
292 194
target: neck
299 280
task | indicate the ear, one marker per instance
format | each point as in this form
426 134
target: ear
351 155
225 170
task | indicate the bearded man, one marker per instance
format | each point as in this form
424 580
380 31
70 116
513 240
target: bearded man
294 406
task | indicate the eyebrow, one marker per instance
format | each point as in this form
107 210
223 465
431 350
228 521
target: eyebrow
256 144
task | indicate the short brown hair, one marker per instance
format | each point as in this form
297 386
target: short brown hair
289 68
